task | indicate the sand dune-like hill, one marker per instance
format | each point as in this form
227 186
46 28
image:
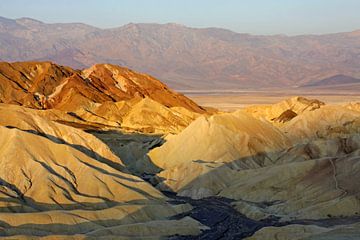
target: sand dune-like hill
315 187
235 140
60 176
305 168
62 181
32 121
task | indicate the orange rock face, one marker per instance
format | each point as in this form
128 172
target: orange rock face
44 85
27 83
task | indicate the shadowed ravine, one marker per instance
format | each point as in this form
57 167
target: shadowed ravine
225 222
217 213
222 219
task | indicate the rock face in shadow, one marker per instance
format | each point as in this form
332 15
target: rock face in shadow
132 149
286 116
308 232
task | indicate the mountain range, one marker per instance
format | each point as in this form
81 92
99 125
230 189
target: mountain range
333 81
184 57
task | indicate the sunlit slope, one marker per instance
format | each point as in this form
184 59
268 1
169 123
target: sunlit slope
63 181
303 168
234 140
45 85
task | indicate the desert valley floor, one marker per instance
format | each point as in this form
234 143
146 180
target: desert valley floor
110 153
234 100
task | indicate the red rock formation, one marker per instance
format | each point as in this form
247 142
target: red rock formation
44 85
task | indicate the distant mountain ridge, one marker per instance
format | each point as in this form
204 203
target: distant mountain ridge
333 81
186 58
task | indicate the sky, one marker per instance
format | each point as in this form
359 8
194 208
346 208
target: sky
263 17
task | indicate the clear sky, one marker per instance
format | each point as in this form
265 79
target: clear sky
290 17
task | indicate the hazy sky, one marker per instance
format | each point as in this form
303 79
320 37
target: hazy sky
251 16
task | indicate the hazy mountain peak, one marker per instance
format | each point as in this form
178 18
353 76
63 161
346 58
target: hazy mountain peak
28 21
4 19
334 80
176 25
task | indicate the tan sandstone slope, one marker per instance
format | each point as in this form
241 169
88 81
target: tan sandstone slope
305 168
326 122
62 181
308 232
197 161
140 114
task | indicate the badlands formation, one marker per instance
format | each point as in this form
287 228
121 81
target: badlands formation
109 153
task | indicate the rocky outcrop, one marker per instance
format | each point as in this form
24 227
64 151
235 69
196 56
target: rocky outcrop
44 85
286 116
103 96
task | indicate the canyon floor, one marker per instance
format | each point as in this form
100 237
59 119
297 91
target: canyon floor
109 153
